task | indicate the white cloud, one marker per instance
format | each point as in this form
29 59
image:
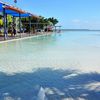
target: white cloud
86 24
76 21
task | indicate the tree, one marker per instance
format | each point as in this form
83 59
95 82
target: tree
53 20
1 21
42 22
9 19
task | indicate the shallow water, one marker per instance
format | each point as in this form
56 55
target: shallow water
64 66
75 50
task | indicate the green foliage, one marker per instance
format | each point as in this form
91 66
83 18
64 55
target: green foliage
1 22
9 18
41 23
25 23
53 20
50 20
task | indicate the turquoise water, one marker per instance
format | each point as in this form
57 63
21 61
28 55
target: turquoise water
53 66
75 50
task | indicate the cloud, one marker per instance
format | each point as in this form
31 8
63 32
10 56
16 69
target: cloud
86 24
76 21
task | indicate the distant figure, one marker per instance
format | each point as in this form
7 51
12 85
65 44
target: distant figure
14 30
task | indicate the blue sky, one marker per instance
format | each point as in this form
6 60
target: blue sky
70 13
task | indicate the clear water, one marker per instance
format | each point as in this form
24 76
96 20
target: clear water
62 66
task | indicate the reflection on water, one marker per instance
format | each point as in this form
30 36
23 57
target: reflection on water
49 84
41 94
56 67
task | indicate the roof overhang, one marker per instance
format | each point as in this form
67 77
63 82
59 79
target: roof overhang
14 11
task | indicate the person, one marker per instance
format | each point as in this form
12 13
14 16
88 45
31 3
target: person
14 31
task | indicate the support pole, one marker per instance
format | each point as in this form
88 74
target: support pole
4 21
37 27
13 20
6 26
29 25
20 24
55 29
14 26
60 29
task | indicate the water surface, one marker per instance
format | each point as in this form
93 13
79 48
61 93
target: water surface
75 50
61 66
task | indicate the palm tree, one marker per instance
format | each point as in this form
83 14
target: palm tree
53 20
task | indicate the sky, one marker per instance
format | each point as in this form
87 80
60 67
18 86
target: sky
70 13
